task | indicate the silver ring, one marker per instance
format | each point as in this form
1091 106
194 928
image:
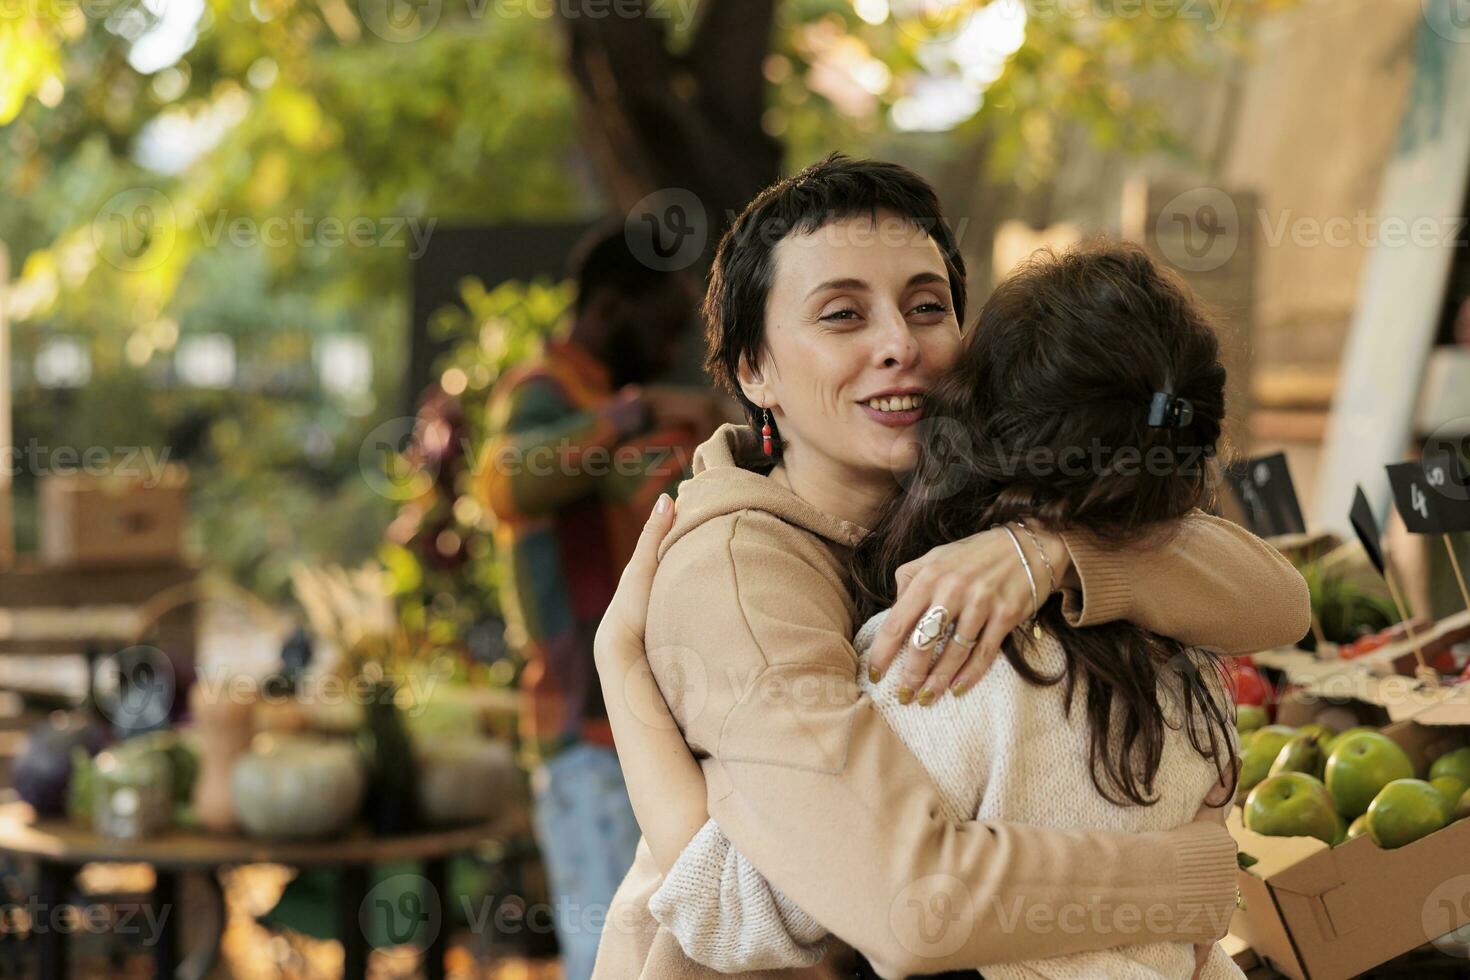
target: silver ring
930 627
963 643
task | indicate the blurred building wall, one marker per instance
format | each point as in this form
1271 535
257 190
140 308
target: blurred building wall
1316 121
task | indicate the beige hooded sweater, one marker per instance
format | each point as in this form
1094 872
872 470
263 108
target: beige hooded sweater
749 635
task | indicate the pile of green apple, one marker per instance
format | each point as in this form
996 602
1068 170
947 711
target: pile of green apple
1313 782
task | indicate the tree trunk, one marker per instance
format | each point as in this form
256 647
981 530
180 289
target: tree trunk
655 119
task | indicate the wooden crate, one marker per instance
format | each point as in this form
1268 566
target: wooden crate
88 520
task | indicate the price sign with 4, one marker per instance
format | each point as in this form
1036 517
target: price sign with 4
1431 494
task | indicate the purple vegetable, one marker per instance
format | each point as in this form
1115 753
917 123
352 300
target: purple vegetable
44 769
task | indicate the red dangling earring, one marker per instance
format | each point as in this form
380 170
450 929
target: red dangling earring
766 434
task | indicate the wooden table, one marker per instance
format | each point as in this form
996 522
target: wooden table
61 848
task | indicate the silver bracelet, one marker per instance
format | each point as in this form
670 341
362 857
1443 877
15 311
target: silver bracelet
1051 574
1030 578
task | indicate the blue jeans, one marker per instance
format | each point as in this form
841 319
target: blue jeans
587 834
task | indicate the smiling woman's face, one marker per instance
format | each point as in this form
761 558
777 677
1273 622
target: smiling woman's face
859 324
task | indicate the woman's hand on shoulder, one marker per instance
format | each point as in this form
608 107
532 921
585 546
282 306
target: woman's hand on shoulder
984 588
619 640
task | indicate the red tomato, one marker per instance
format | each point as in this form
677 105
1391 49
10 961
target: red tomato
1247 683
1362 645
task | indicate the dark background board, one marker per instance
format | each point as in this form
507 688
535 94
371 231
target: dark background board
1366 526
1431 494
1267 495
495 254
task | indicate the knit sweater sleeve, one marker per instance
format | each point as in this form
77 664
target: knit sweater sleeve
1206 582
727 916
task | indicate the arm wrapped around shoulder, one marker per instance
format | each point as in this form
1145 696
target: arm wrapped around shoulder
725 914
1203 581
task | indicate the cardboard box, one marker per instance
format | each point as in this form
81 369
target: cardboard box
1315 912
90 520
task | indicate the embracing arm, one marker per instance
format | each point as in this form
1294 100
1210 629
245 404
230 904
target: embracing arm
1209 582
664 781
665 785
533 463
815 790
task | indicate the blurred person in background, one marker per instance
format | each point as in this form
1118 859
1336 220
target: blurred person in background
580 446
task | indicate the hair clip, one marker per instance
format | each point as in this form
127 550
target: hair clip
1166 411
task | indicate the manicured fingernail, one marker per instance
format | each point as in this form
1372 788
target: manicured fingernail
926 696
959 687
664 500
874 674
905 695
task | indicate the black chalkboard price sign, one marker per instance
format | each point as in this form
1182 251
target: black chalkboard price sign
1428 494
1366 526
1266 494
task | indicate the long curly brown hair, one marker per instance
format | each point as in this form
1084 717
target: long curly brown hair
1047 417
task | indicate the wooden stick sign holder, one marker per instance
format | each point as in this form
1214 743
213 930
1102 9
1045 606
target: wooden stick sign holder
7 529
1425 673
1455 564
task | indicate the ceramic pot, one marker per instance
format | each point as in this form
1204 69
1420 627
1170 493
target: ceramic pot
462 778
297 787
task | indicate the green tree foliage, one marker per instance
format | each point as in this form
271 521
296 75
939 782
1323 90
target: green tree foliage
148 197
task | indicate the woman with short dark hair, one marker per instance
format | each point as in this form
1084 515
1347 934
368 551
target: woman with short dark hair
834 312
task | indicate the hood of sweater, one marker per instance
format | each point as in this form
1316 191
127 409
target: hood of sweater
729 475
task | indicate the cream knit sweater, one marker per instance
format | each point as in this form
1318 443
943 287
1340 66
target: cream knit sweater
1006 750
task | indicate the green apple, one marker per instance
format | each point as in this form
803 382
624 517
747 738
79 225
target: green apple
1359 828
1462 809
1301 753
1292 804
1249 717
1255 761
1451 788
1335 740
1360 765
1456 763
1404 811
1322 732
